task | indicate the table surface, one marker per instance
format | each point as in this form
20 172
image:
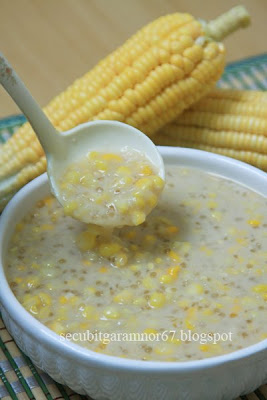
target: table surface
52 42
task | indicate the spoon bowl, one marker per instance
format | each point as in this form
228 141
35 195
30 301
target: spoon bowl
107 136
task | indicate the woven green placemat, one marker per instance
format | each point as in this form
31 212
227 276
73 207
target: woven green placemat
19 378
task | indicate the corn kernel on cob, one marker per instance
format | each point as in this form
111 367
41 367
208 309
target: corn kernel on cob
162 70
227 122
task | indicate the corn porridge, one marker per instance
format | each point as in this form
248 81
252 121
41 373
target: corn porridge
197 265
110 189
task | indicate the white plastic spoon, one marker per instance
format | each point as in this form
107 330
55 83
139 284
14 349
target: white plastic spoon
63 148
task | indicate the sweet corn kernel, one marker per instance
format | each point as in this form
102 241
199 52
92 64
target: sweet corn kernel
19 227
149 331
125 181
130 235
103 270
57 327
109 249
87 180
64 186
111 313
167 279
212 195
70 207
112 157
146 170
144 183
158 182
152 200
93 155
47 227
140 302
35 265
217 215
61 314
189 325
157 300
173 271
63 300
134 247
174 340
259 271
194 288
49 201
235 309
33 282
90 290
174 256
139 200
210 347
262 288
89 312
101 165
120 259
191 313
84 325
150 239
124 297
72 177
242 241
56 215
102 199
86 263
86 241
122 207
138 217
212 204
232 249
208 312
74 300
171 230
165 349
248 301
163 220
123 171
183 303
220 286
206 250
148 283
254 223
135 267
232 271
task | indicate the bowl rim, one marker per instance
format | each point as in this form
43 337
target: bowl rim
73 351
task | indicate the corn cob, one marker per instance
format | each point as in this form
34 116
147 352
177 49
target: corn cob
162 70
228 122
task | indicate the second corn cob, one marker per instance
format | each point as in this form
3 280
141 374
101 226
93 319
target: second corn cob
228 122
162 70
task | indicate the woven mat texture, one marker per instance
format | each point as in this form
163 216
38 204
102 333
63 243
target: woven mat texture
19 378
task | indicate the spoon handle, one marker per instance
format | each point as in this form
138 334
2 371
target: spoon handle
47 134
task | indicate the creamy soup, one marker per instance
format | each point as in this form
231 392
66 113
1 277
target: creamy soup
188 283
111 189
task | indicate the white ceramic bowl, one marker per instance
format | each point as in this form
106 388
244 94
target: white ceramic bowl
105 377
